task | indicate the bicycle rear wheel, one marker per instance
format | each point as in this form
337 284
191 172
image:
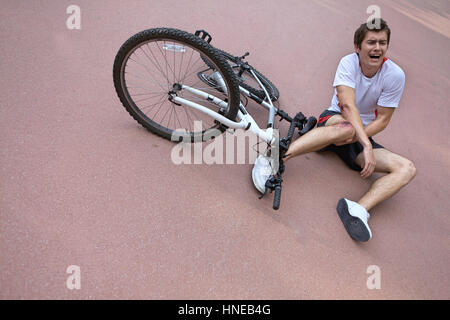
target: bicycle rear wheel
153 66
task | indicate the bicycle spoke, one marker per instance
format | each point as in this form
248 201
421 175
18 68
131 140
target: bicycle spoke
180 125
146 80
181 64
188 65
195 70
151 74
148 73
158 66
154 104
152 64
147 94
162 103
165 58
151 60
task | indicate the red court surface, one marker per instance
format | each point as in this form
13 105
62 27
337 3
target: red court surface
81 183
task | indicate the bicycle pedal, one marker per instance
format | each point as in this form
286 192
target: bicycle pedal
203 35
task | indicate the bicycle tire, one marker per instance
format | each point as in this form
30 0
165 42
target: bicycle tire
161 79
248 82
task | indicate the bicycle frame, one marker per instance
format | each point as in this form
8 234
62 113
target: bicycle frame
246 121
277 146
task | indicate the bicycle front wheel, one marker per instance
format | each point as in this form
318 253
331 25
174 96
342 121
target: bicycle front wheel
156 65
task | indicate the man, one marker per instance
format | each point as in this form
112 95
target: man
367 90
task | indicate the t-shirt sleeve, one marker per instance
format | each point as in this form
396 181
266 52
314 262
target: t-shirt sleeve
345 73
394 83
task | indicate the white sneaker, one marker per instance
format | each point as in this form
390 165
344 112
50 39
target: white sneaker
262 170
354 217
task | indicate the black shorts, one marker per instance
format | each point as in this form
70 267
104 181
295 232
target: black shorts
347 152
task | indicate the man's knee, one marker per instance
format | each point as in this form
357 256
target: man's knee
344 130
407 169
410 170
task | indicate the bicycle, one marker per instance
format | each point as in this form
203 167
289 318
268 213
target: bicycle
187 78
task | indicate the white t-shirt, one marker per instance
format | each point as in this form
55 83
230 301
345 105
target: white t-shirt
384 89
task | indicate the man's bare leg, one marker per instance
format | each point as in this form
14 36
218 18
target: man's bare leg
400 171
336 130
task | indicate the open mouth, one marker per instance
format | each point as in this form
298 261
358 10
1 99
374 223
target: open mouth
376 57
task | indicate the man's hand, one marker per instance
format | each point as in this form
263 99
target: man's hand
369 162
346 97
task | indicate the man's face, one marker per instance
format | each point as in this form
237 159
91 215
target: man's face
373 49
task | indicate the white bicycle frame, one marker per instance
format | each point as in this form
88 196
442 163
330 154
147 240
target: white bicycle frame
246 121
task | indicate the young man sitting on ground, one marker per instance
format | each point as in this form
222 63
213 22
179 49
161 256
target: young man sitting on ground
367 90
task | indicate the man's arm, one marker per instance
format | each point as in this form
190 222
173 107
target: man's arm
347 103
381 122
346 97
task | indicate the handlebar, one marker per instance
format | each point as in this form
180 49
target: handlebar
310 123
277 198
303 124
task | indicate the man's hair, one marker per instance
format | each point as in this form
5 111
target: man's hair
361 32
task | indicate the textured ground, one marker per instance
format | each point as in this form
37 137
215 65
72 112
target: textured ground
81 183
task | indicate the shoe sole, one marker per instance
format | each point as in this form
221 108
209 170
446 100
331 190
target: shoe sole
354 226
